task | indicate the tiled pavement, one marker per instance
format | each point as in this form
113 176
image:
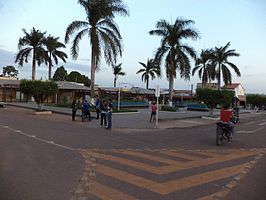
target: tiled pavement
128 174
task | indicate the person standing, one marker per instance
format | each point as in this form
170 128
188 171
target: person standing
97 105
103 108
86 110
74 109
109 114
153 111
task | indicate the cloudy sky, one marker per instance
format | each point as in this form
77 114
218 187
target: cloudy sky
242 22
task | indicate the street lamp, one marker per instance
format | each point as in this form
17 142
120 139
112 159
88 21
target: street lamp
119 93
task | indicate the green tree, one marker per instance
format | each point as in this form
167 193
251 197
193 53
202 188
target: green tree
102 31
149 70
39 90
220 61
205 70
10 71
117 71
32 44
212 98
60 74
173 48
75 76
257 100
53 45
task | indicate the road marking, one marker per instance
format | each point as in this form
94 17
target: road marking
131 163
190 122
171 186
249 123
209 197
37 138
179 154
106 193
148 157
253 131
176 165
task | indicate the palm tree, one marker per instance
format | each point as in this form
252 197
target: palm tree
117 71
172 48
32 44
219 59
204 68
103 32
52 45
151 69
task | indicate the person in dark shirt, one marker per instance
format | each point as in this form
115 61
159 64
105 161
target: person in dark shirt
103 108
74 109
86 109
109 114
97 105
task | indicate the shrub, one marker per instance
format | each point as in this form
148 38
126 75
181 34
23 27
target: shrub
169 108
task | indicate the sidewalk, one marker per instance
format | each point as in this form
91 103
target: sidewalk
140 120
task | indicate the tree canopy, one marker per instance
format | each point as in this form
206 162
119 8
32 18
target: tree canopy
39 90
10 71
60 74
102 31
173 50
212 98
32 45
77 77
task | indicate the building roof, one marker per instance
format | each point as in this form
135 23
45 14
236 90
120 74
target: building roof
138 90
109 89
65 85
9 82
231 86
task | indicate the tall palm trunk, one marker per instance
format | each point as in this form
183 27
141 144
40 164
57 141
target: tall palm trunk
93 69
171 88
33 66
147 83
219 76
50 67
203 78
115 81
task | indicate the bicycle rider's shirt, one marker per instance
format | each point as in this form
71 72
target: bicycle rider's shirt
225 115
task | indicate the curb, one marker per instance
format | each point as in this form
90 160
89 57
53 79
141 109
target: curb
248 167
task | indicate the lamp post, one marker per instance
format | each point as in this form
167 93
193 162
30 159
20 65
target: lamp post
118 101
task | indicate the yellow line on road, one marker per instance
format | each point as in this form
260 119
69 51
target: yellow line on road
124 161
221 158
170 186
149 157
208 153
106 193
179 154
178 165
209 197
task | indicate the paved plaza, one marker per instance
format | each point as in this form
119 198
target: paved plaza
51 157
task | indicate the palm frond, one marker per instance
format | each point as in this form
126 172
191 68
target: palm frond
75 44
75 26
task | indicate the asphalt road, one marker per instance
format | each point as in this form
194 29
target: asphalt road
51 157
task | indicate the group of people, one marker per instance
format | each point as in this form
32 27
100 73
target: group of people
103 111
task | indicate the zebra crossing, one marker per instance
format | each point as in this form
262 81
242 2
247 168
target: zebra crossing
125 174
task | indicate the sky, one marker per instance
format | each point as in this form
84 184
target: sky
240 22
